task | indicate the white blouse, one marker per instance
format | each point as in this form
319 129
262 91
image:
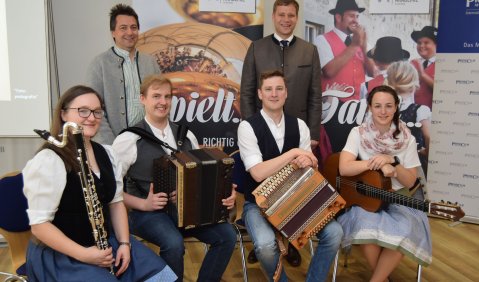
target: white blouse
45 178
407 157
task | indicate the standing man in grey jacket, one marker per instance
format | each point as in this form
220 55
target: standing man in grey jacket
296 58
116 75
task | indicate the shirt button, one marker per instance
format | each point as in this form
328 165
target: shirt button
123 113
122 97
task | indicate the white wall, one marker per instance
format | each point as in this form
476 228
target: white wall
81 32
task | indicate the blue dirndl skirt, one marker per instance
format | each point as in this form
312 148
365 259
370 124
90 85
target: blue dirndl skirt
46 264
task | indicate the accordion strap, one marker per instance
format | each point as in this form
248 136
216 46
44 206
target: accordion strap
148 136
283 252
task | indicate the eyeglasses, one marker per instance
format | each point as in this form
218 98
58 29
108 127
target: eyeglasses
85 113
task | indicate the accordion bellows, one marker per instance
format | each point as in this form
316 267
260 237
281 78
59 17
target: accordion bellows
298 202
202 178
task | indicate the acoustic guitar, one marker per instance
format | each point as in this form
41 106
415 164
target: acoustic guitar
370 190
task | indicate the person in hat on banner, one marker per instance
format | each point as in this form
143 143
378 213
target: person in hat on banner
342 51
388 49
426 65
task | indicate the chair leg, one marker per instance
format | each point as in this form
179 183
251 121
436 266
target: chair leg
419 272
335 268
13 277
243 257
311 249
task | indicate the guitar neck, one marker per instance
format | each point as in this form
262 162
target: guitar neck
392 198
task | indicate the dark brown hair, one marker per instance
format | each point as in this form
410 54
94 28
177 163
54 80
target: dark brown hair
268 74
122 9
389 90
68 153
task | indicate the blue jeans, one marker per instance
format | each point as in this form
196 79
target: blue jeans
159 229
267 252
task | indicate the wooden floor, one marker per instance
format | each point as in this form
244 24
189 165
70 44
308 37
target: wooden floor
455 258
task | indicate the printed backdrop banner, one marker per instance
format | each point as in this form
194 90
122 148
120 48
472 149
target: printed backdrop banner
389 40
454 157
202 53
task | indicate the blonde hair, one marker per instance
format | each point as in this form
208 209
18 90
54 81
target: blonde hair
154 79
403 77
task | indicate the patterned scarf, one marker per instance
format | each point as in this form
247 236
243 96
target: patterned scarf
373 142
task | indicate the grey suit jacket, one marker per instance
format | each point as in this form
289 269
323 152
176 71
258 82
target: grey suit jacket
105 75
302 71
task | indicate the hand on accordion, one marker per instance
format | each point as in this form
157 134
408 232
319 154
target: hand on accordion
172 197
229 202
304 159
155 201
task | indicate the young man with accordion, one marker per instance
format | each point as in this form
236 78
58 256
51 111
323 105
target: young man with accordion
268 141
148 218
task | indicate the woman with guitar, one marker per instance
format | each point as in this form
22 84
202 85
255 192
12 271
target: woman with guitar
384 144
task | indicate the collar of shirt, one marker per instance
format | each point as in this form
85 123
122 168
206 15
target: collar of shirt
165 135
341 34
279 38
406 100
431 60
123 53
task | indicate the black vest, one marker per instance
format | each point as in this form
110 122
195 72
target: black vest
409 116
71 217
267 145
140 174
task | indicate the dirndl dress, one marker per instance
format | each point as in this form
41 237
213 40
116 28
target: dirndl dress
46 264
397 227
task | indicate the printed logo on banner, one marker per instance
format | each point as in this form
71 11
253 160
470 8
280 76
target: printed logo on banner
466 61
473 114
461 123
456 185
458 164
464 82
474 135
459 144
440 192
471 155
445 132
473 92
469 196
462 103
472 3
449 113
441 172
470 176
447 91
437 101
432 162
435 121
444 153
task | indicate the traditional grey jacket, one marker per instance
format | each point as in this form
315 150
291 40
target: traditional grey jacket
105 75
300 65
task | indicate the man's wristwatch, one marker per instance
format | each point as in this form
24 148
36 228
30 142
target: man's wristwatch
396 161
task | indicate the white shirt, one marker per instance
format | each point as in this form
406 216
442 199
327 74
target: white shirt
289 39
324 49
248 143
125 144
45 178
423 112
408 157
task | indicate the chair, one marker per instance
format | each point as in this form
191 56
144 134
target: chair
239 173
14 225
347 251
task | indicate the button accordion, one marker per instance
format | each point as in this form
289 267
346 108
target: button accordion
298 202
201 178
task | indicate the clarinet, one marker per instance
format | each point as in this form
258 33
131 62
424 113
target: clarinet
93 205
